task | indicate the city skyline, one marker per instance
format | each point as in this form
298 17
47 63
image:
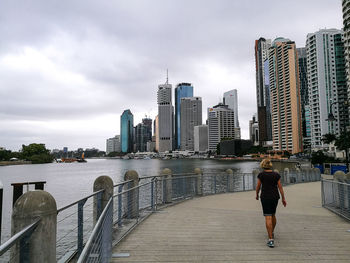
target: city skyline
66 74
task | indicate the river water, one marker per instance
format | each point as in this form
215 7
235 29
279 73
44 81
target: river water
68 182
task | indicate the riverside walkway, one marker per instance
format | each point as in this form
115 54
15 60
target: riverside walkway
231 228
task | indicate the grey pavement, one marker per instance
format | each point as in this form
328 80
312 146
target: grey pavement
231 228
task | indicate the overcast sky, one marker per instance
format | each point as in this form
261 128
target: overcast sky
68 69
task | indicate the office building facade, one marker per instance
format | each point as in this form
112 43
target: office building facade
126 131
304 96
262 90
200 138
326 84
221 121
191 115
113 144
285 96
231 100
182 90
165 117
141 137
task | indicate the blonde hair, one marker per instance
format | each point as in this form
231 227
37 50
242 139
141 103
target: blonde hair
266 164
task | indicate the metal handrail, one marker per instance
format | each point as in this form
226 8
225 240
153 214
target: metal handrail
336 182
130 189
9 243
94 231
76 202
122 183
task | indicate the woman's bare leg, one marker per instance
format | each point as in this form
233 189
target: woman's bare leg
269 226
274 221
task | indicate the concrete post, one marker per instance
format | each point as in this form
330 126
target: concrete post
347 180
230 183
167 175
100 202
132 197
199 186
255 177
339 176
286 177
42 243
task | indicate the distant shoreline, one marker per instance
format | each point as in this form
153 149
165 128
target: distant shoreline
6 163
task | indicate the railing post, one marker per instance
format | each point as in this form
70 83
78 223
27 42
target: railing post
167 175
286 176
255 178
340 176
322 193
100 201
80 226
1 195
199 173
152 195
156 194
215 184
243 182
41 245
132 200
229 173
120 205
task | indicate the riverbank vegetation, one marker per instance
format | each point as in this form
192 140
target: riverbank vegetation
33 153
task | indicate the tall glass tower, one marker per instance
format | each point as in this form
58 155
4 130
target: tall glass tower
182 90
126 131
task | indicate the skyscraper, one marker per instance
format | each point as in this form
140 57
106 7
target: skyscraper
304 96
285 96
221 121
182 90
165 117
326 83
262 90
141 137
201 138
346 22
191 115
231 100
126 131
148 123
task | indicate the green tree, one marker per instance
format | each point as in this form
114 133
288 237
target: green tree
329 138
36 153
343 144
318 157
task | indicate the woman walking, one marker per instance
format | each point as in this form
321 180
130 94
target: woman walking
269 182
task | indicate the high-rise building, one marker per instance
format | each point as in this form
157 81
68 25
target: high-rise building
346 23
254 130
148 123
156 132
113 144
191 115
304 96
141 137
126 131
263 89
165 117
326 84
201 138
231 100
182 90
221 124
285 96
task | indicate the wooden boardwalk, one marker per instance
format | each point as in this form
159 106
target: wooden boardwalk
231 228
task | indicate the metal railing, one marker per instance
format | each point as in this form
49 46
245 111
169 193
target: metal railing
20 239
336 197
131 205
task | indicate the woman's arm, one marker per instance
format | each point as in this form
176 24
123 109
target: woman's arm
258 185
282 193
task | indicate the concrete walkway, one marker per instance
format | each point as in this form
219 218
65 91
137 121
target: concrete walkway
231 228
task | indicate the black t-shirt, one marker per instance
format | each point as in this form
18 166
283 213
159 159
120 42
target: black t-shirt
269 182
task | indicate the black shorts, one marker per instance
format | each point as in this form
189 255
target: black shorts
269 206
